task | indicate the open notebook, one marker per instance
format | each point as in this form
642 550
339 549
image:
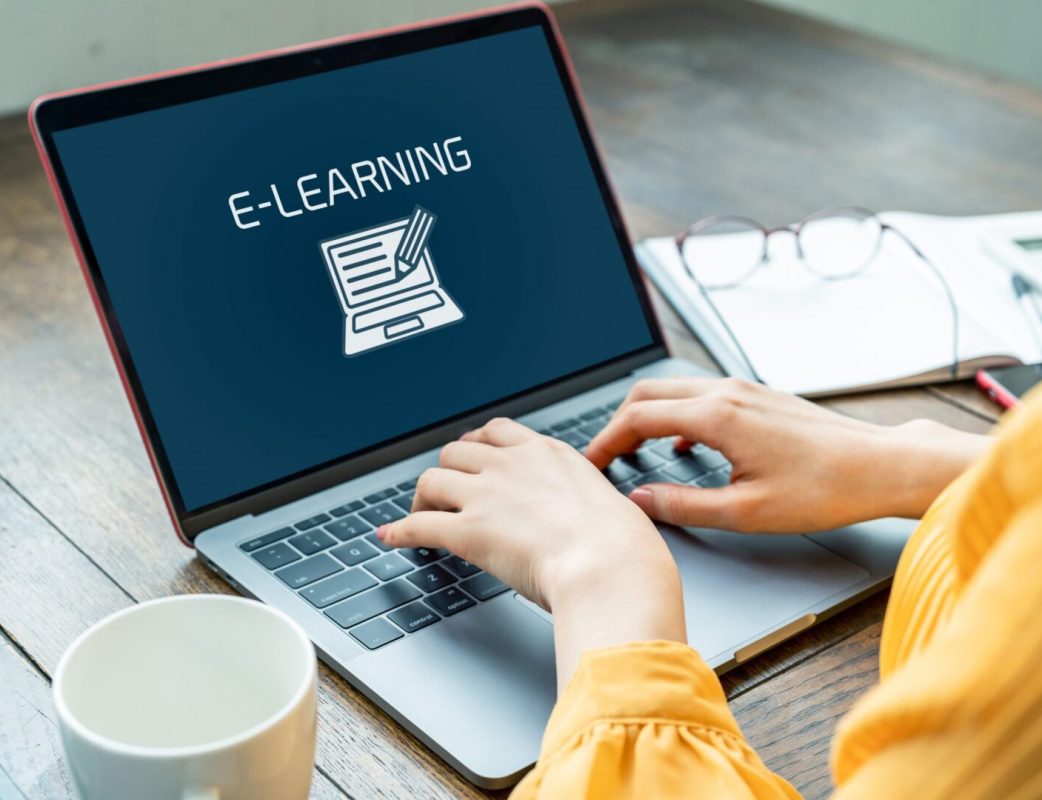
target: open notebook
889 326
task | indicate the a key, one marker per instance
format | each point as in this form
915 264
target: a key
431 578
370 604
347 508
404 502
484 586
382 514
449 601
420 556
277 555
714 480
383 494
413 617
311 522
266 539
312 541
339 587
619 471
355 552
684 470
460 568
407 486
308 571
388 566
376 633
644 460
348 527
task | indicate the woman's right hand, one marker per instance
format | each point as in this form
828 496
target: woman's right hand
796 466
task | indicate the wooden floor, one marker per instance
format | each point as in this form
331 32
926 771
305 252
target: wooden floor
700 107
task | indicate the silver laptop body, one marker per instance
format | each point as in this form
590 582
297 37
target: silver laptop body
478 686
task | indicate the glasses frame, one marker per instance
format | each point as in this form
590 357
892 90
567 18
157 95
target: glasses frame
796 229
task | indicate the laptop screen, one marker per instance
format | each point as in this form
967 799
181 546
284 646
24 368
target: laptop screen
305 270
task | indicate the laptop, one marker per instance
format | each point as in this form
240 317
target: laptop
229 220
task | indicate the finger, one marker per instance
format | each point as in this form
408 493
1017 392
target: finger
668 389
466 456
682 445
645 419
441 489
421 529
501 432
726 507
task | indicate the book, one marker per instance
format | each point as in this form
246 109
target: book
888 326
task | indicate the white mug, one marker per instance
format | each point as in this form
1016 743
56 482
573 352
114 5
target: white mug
195 697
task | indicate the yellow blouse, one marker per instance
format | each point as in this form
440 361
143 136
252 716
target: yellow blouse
957 712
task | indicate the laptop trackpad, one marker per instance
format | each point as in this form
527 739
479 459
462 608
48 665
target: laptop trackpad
739 587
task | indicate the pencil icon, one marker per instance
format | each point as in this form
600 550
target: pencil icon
414 239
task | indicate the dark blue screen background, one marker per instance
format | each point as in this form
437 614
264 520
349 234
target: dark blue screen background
237 335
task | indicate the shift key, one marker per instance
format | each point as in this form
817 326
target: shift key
375 601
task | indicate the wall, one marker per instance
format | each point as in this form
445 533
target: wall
47 45
999 36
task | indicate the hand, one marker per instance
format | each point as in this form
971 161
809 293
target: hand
537 515
796 466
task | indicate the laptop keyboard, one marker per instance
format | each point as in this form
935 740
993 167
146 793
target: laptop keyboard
379 594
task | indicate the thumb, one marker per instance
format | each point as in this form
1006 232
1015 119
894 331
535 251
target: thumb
722 507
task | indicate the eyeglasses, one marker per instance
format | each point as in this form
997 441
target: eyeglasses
723 252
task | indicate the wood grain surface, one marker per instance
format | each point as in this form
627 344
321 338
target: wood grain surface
699 107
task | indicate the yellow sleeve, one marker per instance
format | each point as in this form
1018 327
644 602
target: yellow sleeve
646 720
962 717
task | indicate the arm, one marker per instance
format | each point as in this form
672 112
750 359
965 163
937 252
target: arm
797 466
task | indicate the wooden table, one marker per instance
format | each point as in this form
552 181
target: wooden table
700 108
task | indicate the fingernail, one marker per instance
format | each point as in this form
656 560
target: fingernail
642 497
381 532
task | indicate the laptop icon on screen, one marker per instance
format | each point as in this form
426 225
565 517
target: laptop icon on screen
387 284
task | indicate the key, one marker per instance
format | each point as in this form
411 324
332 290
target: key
575 439
484 586
382 514
449 601
431 579
714 480
308 571
593 413
564 424
421 556
268 538
388 566
413 617
684 470
711 459
404 502
311 522
619 471
347 508
276 556
590 429
644 460
312 542
460 568
407 486
337 588
652 477
664 448
376 633
383 494
348 527
354 552
375 601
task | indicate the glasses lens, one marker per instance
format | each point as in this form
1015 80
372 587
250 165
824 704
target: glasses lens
841 243
724 252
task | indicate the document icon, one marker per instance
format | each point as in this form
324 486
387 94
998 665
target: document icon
386 282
